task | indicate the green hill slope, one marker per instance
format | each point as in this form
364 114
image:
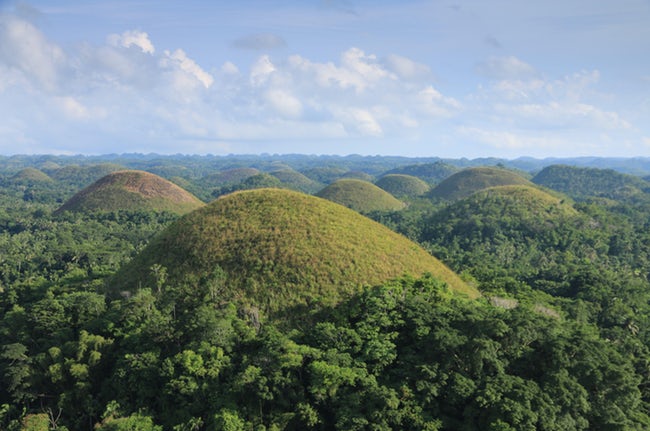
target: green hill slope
580 183
294 180
401 185
431 173
30 176
360 196
471 180
275 248
132 190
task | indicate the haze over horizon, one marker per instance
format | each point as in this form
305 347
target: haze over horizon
412 78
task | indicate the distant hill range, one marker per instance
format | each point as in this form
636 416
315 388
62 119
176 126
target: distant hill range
132 190
273 249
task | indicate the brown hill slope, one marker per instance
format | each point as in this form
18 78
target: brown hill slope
132 190
276 248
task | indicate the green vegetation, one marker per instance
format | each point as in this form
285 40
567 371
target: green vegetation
294 180
31 176
431 173
278 248
471 180
582 183
360 196
275 310
402 185
132 190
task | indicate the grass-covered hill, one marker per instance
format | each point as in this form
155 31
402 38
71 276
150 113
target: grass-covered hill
295 180
132 190
273 248
471 180
31 176
580 183
432 173
360 196
521 229
401 185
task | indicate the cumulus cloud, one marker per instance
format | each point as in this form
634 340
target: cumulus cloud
179 59
260 42
25 49
156 98
131 38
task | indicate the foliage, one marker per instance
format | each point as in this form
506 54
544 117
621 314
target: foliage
581 183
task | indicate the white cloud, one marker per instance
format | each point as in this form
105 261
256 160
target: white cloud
132 38
435 104
229 68
187 65
149 99
25 49
357 70
407 68
360 121
261 71
284 103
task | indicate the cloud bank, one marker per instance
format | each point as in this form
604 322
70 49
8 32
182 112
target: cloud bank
129 95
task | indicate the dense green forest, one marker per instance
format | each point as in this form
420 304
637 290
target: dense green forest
558 340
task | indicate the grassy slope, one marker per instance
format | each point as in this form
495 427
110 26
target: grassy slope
402 185
360 196
133 190
281 248
471 180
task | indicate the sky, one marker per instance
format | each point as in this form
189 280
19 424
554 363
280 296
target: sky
432 78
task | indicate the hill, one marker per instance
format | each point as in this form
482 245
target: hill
274 248
401 185
520 230
431 173
294 180
360 196
471 180
30 176
132 190
581 183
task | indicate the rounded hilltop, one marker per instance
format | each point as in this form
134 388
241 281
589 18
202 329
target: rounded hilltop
132 190
402 185
472 180
361 196
275 248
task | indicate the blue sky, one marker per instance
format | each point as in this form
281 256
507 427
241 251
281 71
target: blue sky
470 78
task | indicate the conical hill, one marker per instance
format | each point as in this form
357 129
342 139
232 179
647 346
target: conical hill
132 190
274 248
471 180
402 185
360 196
31 175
